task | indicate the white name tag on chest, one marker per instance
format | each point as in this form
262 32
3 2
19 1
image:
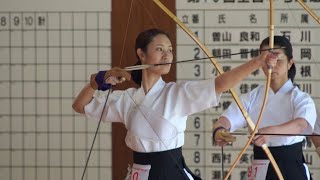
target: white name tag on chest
140 172
258 169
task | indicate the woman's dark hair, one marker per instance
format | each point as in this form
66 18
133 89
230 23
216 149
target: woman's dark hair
142 42
283 42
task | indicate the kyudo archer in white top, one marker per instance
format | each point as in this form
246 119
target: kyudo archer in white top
288 111
155 114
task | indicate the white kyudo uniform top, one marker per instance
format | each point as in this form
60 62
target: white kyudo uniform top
287 104
156 121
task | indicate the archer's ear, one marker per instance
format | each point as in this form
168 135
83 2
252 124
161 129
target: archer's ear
141 55
290 63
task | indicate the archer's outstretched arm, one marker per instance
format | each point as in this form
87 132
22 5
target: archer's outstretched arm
230 78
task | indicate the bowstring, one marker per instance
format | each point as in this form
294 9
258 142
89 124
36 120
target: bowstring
171 155
145 117
98 126
95 135
126 32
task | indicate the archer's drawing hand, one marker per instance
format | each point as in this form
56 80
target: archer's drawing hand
269 58
116 75
222 136
103 80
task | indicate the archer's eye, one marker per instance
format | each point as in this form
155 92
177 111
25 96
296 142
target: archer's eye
280 60
159 49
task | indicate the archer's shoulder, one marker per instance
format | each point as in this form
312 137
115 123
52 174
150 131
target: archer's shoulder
300 95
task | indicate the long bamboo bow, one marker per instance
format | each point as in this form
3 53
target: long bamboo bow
266 93
219 69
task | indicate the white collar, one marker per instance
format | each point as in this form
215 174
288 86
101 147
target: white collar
153 92
286 87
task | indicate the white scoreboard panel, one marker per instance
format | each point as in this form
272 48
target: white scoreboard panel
48 49
232 26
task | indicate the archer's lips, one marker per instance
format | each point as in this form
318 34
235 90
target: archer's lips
166 62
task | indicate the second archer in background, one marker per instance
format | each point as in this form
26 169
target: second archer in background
288 111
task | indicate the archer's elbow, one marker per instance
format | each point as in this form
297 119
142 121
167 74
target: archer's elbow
78 108
302 125
220 85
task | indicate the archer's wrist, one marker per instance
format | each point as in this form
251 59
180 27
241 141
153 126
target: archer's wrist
215 130
258 61
93 83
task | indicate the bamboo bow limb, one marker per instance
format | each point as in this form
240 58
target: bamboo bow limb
271 45
266 93
255 130
312 13
264 146
208 53
220 71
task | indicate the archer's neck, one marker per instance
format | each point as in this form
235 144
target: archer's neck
276 84
148 81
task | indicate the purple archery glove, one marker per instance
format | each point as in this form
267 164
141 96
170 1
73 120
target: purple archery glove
100 81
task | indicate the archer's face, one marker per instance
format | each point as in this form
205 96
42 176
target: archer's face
280 71
159 51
